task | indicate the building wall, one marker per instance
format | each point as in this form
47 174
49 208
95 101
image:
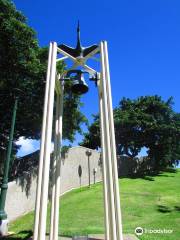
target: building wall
22 192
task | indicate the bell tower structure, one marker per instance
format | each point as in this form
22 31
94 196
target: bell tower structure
54 90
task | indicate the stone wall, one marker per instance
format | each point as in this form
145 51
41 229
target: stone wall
128 167
22 192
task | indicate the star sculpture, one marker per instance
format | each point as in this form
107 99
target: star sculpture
79 51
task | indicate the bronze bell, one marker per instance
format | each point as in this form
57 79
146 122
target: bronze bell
79 85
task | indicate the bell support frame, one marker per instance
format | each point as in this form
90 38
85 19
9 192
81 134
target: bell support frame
54 83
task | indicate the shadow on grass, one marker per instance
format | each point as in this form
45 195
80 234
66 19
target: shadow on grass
25 235
165 209
149 176
177 208
22 235
170 170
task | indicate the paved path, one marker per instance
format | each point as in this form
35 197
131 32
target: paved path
98 237
125 237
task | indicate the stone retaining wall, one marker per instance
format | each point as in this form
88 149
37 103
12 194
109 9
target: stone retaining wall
22 192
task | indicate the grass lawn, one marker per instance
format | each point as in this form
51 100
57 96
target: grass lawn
151 203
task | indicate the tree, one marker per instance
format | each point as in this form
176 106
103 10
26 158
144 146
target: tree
160 130
92 137
145 122
23 65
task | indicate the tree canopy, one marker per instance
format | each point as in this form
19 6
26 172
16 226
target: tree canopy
23 65
144 122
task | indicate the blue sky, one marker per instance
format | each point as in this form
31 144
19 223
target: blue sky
143 39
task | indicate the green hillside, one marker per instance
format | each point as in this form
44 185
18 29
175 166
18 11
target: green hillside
150 202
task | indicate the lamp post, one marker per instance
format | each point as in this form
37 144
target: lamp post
16 93
4 185
80 174
89 153
94 173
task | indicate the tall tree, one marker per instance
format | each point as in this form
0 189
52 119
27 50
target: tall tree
23 65
145 122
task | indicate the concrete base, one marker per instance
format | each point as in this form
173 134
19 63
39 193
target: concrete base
101 237
4 227
97 237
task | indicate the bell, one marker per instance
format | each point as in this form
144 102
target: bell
79 86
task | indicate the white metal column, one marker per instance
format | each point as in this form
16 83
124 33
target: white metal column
111 158
41 158
54 166
104 167
107 146
48 119
113 147
58 169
